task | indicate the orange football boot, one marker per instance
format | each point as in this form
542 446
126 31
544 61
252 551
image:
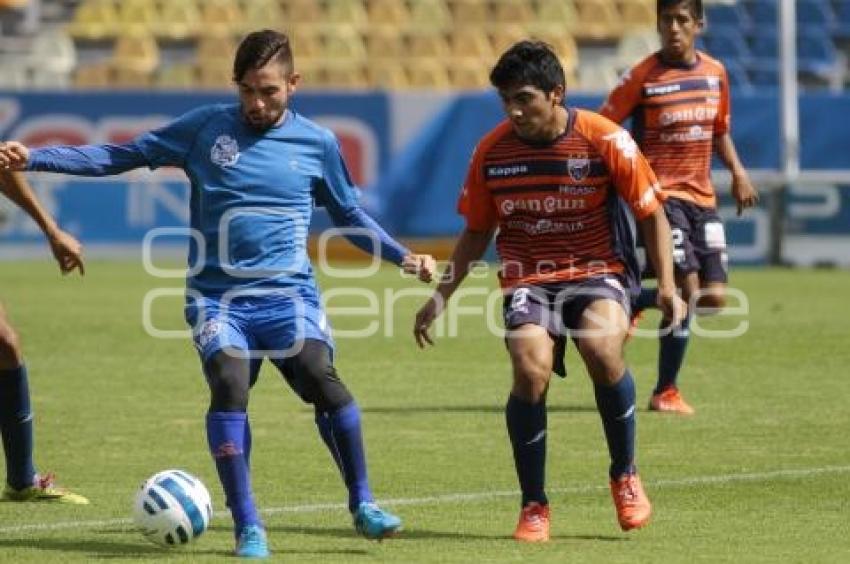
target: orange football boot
670 401
633 507
533 525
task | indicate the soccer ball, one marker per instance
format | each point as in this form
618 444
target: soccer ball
172 508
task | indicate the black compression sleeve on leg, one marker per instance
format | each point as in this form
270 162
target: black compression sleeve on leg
228 378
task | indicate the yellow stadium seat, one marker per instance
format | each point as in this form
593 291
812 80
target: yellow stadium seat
135 53
564 46
304 12
471 12
597 19
221 16
555 16
638 13
95 20
389 75
430 14
180 19
513 12
344 43
428 74
470 74
306 43
428 43
385 42
138 16
263 14
345 76
215 48
95 76
214 75
350 13
179 76
471 41
504 36
388 13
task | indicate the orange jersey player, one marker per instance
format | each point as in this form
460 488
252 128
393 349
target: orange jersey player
678 100
552 181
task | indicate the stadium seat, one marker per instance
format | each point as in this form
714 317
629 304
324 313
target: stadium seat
818 56
764 46
727 43
471 42
134 58
306 43
430 14
96 76
138 16
763 13
214 75
597 77
815 13
345 76
727 15
350 13
215 47
564 46
470 74
389 75
502 37
471 12
53 52
597 20
95 20
385 42
766 75
555 16
262 14
634 46
13 75
428 43
842 19
177 76
428 74
303 13
739 80
638 13
344 43
180 19
388 13
513 12
220 16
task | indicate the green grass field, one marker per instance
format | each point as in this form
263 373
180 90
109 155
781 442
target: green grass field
760 474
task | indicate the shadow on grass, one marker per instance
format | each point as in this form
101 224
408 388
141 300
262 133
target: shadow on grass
103 549
425 534
495 409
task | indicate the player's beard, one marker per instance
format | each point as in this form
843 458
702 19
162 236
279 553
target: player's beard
263 120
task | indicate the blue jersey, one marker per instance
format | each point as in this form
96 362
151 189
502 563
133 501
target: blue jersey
252 193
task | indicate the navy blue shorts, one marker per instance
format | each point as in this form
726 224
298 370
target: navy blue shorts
699 240
558 307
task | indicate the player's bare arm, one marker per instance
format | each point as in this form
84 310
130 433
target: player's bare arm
658 239
423 266
13 155
743 191
470 247
66 249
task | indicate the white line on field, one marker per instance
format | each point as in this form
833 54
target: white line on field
460 497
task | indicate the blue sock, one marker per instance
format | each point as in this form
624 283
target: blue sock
246 442
648 298
340 430
226 436
616 405
527 429
671 354
16 427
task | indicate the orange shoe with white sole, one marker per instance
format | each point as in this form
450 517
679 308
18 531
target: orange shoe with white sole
533 525
670 401
633 507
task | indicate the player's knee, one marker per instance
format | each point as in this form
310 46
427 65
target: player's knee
228 379
531 377
314 378
603 358
711 303
10 347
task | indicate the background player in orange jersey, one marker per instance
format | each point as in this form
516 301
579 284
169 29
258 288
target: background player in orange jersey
553 180
678 100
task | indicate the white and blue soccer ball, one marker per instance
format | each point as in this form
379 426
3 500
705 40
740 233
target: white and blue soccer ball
172 508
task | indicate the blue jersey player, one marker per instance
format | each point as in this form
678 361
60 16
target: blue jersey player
256 169
23 483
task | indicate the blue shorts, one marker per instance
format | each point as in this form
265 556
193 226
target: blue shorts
559 307
271 324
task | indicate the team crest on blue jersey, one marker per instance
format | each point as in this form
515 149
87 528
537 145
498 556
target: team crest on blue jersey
225 151
578 168
209 331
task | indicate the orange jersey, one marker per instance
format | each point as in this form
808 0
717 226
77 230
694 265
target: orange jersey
555 205
676 113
